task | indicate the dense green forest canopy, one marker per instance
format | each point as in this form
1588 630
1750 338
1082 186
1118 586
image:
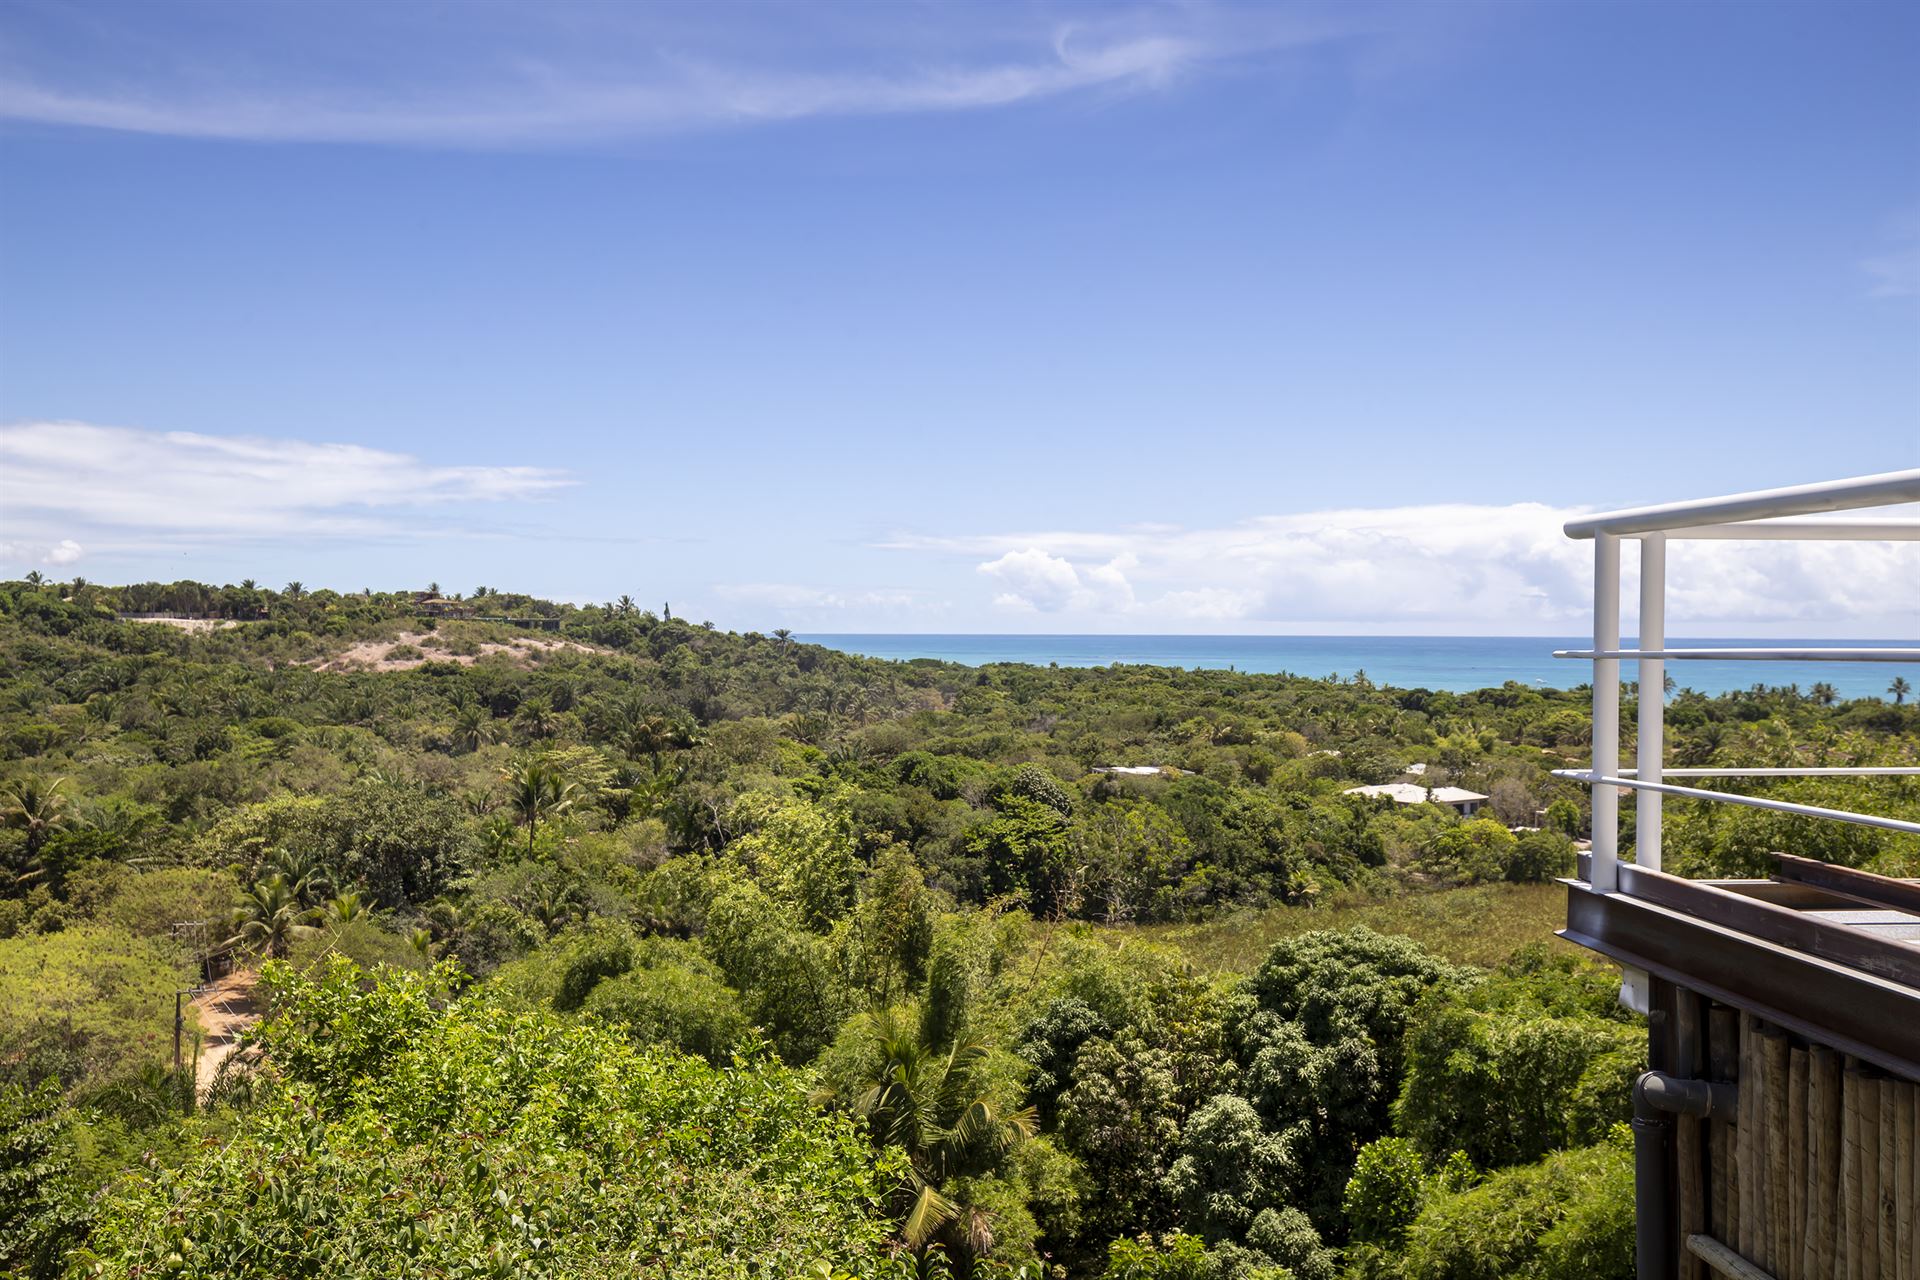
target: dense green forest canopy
594 939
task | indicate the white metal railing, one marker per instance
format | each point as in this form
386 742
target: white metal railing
1768 514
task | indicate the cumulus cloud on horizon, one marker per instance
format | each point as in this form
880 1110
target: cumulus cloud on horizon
65 486
1446 565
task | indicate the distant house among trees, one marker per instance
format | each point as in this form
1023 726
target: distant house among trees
1465 803
432 605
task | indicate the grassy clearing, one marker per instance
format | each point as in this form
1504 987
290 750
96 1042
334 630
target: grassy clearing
1481 925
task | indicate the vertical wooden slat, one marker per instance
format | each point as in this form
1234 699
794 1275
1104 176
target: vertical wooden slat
1914 1199
1905 1190
1748 1155
1690 1048
1868 1238
1773 1048
1820 1256
1851 1185
1797 1233
1887 1210
1723 1061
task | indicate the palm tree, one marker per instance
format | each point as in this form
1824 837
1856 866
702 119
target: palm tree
535 790
35 807
344 909
625 606
306 876
295 590
536 718
1899 689
553 903
269 919
472 727
446 923
1823 693
34 578
933 1104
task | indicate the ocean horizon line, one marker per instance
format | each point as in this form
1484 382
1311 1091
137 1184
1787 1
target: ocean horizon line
1456 663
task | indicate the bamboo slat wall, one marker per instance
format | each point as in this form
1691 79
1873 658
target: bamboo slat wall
1817 1176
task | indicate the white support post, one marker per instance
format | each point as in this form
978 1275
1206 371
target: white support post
1606 712
1653 696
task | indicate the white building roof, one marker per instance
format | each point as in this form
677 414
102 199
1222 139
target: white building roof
1414 793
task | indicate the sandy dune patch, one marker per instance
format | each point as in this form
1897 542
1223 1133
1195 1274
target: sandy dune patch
379 655
184 624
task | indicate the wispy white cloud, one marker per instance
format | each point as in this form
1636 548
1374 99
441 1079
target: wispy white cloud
1444 566
788 595
65 485
1895 274
809 607
1895 271
529 76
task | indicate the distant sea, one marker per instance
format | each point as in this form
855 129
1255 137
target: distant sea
1458 663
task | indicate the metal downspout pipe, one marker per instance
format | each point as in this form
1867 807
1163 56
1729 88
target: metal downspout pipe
1657 1097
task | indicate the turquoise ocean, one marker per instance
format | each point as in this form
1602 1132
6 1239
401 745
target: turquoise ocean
1457 663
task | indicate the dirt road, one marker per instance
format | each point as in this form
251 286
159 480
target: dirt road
226 1009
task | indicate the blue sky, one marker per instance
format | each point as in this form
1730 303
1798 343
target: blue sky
986 317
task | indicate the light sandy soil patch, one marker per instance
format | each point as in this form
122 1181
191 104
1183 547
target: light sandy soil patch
226 1010
187 624
378 655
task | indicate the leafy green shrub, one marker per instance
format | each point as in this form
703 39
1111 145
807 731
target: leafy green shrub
788 976
945 776
1174 1256
1508 1087
1336 983
86 1004
147 904
1569 1217
1383 1195
1033 783
1028 847
331 1034
1321 1049
1287 1237
669 1005
1563 816
488 1143
1470 852
601 952
1050 1044
41 1211
360 940
1539 856
1229 1170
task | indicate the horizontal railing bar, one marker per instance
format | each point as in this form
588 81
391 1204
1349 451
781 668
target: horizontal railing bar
1797 530
1750 655
1887 489
1862 771
1588 777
